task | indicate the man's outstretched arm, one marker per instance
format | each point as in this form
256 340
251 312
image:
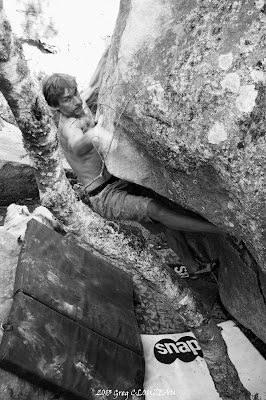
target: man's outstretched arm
90 94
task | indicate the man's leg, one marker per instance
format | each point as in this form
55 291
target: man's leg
177 242
125 201
180 222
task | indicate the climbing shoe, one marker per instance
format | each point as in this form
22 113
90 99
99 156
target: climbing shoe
204 269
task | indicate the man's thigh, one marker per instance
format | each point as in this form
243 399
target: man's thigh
167 203
122 200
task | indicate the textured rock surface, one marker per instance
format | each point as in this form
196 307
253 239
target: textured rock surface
188 80
196 72
17 181
242 289
16 175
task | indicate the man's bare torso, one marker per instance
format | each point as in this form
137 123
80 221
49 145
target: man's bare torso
89 167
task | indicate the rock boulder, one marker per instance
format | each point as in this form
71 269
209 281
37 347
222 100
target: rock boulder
184 92
17 182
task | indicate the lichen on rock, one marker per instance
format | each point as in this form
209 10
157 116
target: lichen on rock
191 100
245 101
217 133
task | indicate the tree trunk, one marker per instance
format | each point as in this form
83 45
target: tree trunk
39 135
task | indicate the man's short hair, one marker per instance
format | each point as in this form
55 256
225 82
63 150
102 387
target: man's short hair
54 86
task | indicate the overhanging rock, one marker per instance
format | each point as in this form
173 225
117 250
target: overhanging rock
186 83
188 80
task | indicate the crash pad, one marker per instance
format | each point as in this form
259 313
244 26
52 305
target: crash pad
72 326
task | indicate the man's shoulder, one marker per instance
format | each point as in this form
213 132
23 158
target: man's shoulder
67 126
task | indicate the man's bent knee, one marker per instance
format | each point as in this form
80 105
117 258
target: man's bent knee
155 209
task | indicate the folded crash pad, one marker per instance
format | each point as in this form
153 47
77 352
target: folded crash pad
72 326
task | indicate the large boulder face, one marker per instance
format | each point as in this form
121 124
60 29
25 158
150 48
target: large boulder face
186 82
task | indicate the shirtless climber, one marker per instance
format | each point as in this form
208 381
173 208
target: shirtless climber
113 198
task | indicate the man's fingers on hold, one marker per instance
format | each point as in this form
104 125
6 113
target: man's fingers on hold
100 120
95 139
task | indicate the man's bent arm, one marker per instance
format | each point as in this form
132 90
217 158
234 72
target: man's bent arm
79 143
